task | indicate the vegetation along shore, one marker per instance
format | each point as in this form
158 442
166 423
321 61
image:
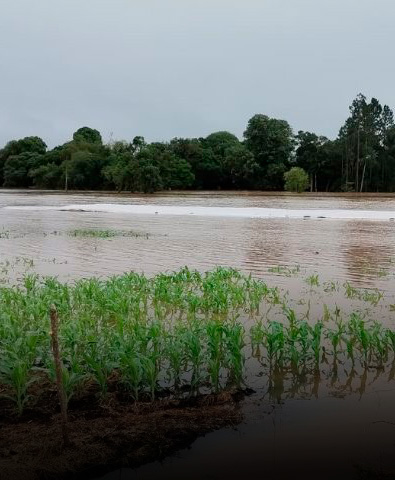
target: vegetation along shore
270 157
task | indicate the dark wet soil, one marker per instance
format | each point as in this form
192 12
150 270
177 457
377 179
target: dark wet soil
106 435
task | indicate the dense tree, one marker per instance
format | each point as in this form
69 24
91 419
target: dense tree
47 176
138 144
188 148
240 167
220 142
234 163
311 156
83 170
33 145
361 158
363 136
203 164
146 177
387 161
88 135
331 161
118 171
271 142
17 167
176 173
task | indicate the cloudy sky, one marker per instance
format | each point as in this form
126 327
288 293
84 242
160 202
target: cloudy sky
166 68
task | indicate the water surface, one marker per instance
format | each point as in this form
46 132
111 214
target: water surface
335 425
359 250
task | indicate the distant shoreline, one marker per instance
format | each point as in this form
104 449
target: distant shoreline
253 193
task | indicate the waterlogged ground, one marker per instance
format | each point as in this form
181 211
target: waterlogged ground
338 422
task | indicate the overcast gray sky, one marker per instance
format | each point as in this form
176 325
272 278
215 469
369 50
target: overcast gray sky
166 68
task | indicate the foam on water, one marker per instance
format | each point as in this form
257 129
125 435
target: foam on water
220 211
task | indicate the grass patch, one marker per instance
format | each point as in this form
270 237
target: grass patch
285 270
92 233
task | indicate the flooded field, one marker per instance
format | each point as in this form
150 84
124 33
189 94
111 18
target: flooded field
331 257
360 250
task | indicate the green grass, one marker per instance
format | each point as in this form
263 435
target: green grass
285 270
372 295
92 233
313 280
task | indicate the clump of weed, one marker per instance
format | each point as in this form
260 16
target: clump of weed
92 233
285 270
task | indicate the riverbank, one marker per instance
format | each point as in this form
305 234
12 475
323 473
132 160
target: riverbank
219 193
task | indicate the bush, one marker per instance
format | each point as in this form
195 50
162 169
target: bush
296 180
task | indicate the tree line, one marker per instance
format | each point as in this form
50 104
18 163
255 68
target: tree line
360 159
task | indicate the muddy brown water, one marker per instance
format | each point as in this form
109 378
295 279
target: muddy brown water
355 250
339 425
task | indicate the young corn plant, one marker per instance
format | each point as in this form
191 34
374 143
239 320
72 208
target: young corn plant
16 368
174 351
150 373
194 353
132 372
178 329
99 361
215 333
16 373
234 338
316 334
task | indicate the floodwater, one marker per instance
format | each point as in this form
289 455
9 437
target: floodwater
359 249
337 425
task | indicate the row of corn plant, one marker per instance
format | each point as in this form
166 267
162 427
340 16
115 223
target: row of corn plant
297 343
178 333
173 332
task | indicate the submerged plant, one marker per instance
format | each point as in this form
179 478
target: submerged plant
92 233
313 280
175 333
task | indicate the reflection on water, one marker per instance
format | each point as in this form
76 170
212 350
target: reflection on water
366 249
353 250
334 425
338 380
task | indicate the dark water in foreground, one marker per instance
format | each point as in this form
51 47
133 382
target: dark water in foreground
337 426
303 438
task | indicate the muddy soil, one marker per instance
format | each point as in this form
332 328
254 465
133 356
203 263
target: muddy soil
106 435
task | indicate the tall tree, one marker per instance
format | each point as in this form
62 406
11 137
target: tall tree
33 145
216 153
13 171
88 135
311 156
17 167
387 161
84 170
271 142
363 136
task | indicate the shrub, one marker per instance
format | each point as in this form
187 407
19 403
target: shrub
296 180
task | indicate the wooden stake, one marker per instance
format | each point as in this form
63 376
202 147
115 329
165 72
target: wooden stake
58 368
